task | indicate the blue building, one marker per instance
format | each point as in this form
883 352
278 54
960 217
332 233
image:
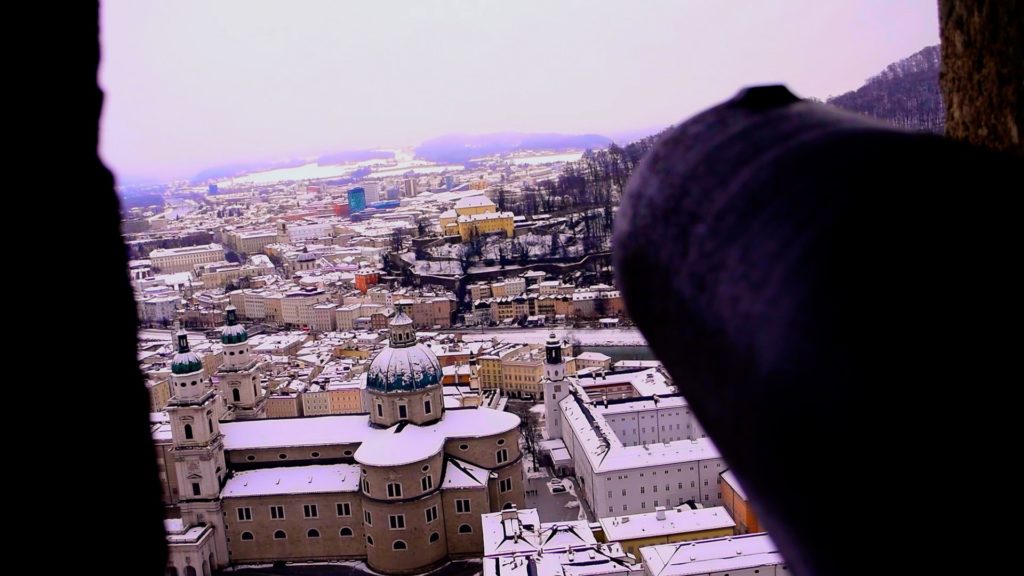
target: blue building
356 200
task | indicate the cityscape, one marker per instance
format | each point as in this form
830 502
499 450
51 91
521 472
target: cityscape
415 359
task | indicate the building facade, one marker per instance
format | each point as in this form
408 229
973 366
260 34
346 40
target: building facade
402 487
171 260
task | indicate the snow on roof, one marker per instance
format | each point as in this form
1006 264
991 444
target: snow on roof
177 533
293 480
162 432
401 444
485 216
410 443
290 432
711 556
734 483
596 560
356 429
510 532
636 364
678 520
596 441
641 404
473 202
594 357
459 474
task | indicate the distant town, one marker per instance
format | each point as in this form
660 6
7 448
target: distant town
397 371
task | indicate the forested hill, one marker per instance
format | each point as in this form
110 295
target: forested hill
905 94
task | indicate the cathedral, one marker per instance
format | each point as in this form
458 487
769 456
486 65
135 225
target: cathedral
402 487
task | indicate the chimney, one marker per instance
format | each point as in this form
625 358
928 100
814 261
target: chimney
659 512
510 514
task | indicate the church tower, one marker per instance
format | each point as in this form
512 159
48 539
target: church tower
555 386
198 445
238 375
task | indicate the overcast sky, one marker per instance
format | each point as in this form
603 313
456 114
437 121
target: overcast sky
192 84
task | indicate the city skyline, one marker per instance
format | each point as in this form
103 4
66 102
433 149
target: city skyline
190 86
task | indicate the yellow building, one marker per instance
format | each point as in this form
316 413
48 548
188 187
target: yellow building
159 394
663 526
522 371
490 223
736 502
489 372
475 215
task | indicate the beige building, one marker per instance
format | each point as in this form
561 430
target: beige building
297 306
402 488
593 360
171 260
250 241
522 371
324 317
159 394
481 224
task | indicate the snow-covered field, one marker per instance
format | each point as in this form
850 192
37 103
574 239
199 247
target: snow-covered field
595 337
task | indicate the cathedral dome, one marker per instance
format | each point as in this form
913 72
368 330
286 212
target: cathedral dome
404 366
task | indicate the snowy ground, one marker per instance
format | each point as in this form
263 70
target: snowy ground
594 337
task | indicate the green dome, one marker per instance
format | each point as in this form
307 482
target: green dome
233 333
185 361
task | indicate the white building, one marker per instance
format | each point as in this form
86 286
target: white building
171 260
735 555
632 455
517 543
159 308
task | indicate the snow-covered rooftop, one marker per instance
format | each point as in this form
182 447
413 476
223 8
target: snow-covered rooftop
356 429
640 405
678 520
473 202
734 483
293 480
711 556
459 474
290 432
601 446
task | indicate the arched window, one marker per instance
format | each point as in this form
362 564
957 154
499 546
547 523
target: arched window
394 490
313 533
188 432
465 529
346 531
434 537
247 536
280 535
190 570
508 506
236 395
209 422
369 540
399 545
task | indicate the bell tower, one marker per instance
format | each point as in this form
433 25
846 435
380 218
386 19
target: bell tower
555 386
198 445
238 375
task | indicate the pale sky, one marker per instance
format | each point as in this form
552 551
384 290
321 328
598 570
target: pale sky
192 84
